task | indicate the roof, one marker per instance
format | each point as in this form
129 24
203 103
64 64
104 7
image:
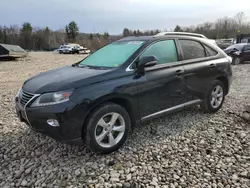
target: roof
169 36
180 33
150 38
12 48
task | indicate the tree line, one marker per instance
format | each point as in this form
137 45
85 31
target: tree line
34 38
225 27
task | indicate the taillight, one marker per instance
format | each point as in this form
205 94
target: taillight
230 59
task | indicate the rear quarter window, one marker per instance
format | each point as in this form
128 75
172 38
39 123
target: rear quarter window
210 51
192 49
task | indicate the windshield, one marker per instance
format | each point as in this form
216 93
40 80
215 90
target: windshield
113 54
237 46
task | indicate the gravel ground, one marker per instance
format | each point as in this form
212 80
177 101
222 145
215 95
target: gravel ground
186 149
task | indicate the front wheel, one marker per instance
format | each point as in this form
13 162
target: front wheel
215 98
236 61
107 128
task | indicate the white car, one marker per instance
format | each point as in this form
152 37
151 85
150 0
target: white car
65 49
72 49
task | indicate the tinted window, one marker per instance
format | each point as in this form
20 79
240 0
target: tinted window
210 51
164 51
192 49
247 48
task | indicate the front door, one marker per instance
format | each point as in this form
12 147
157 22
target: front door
162 85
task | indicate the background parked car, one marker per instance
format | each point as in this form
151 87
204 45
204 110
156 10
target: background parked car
225 43
239 52
72 48
66 49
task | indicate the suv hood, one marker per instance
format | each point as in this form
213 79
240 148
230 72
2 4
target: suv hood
60 79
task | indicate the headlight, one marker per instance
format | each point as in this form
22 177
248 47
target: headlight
52 98
19 92
237 52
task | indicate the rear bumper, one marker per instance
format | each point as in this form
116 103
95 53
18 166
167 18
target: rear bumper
69 115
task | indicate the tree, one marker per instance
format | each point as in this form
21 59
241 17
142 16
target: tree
135 33
126 32
91 36
72 31
177 29
240 18
1 34
47 37
157 31
26 33
139 33
5 35
106 36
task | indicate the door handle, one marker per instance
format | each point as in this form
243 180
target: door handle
179 72
211 66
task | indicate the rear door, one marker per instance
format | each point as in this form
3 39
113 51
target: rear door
162 85
246 53
200 68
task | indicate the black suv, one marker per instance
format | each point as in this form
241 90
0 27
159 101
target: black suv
239 52
132 80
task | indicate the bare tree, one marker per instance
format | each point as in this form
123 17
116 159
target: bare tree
240 18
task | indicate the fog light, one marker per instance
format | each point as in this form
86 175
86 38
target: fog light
53 122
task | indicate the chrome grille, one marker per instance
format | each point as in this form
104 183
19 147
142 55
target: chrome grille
25 97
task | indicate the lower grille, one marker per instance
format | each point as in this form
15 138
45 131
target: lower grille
25 97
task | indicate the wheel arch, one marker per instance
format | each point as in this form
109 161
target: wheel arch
125 102
224 80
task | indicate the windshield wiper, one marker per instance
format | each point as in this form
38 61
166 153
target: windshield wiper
92 67
79 65
75 65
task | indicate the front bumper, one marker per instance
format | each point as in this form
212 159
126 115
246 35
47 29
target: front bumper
69 115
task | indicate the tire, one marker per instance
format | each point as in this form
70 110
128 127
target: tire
219 88
236 61
98 137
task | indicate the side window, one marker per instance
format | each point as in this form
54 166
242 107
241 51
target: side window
164 51
210 51
192 49
247 48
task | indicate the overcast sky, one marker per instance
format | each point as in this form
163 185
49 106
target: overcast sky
113 15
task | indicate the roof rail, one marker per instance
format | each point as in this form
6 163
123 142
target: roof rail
180 33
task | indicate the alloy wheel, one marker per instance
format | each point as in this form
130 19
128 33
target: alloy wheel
109 130
217 96
237 61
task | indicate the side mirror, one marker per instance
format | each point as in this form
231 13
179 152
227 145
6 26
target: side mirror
147 61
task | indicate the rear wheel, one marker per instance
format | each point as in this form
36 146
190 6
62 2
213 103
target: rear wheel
215 98
236 61
107 128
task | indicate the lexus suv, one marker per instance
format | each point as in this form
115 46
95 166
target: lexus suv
96 101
